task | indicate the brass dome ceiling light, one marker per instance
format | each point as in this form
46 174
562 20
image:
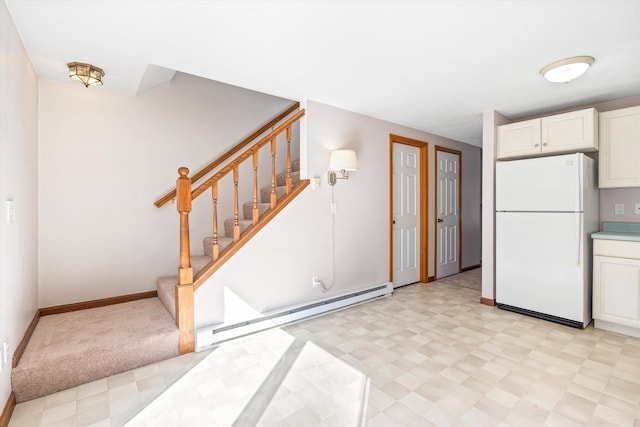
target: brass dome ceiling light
87 74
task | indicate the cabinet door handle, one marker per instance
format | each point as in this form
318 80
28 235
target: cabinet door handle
544 145
536 145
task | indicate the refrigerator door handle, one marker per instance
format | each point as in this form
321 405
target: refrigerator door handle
579 236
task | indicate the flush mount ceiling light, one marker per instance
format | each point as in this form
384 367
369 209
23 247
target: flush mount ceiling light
565 70
87 74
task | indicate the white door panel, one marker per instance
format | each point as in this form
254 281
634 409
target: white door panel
447 211
406 214
539 263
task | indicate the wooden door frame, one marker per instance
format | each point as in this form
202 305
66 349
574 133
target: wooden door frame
424 193
437 148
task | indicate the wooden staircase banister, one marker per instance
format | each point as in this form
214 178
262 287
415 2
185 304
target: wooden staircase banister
202 276
246 155
187 284
233 150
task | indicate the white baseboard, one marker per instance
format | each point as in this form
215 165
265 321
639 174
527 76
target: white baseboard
209 336
617 328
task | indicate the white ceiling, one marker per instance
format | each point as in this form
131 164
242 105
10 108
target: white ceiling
431 65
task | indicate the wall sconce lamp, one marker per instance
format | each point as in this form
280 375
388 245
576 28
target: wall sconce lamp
87 74
341 161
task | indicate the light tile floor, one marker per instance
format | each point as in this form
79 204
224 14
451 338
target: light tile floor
428 355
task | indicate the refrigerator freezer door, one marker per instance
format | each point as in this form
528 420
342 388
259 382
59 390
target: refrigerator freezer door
540 263
540 184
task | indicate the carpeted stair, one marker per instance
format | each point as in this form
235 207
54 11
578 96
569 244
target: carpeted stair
167 285
81 346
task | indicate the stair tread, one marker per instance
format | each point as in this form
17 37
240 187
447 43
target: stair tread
240 221
247 209
265 193
223 242
281 178
198 262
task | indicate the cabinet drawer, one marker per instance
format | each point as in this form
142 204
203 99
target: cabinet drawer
617 248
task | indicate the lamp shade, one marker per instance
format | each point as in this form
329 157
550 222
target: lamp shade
343 160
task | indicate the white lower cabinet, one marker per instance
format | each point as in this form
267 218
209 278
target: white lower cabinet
616 286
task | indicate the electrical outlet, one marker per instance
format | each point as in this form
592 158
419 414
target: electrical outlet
333 208
314 281
637 211
619 208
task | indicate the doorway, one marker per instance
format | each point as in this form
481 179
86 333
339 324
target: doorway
408 210
448 221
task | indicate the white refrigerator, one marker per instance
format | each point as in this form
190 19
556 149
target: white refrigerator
546 210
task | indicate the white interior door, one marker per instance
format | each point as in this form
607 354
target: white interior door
447 211
406 214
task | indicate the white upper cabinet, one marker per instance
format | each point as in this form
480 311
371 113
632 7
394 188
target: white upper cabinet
572 132
519 139
576 131
620 148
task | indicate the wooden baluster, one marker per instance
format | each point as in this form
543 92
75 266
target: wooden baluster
184 288
273 172
214 195
256 212
288 186
236 223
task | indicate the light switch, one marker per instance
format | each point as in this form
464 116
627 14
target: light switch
315 182
11 211
619 208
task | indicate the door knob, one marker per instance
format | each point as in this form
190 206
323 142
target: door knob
394 221
440 220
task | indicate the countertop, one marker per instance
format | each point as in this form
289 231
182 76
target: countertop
619 231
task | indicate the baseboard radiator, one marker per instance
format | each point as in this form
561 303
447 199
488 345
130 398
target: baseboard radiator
210 336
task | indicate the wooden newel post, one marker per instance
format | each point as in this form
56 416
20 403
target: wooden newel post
183 187
184 288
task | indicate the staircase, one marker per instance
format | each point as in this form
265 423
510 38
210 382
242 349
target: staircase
70 346
167 285
177 293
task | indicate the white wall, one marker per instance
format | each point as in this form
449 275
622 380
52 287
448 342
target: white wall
275 269
104 158
18 182
609 197
490 120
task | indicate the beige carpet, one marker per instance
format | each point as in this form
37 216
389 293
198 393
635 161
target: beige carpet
69 349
